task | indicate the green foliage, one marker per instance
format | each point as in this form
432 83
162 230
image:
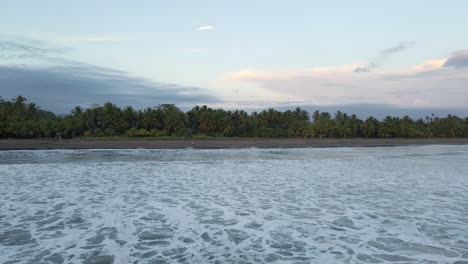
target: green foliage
200 136
133 132
158 133
163 133
98 132
20 119
109 132
143 133
154 132
271 132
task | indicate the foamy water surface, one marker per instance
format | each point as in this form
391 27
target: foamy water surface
327 205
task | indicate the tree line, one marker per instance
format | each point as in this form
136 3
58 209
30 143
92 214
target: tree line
22 119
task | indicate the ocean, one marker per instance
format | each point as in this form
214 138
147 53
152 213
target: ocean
307 205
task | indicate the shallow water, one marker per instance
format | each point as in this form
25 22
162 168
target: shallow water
329 205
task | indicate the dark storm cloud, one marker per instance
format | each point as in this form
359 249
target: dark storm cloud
458 59
383 55
62 87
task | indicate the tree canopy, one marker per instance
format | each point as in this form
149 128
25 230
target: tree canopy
22 119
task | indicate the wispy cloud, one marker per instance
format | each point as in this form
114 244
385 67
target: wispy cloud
398 48
383 55
17 49
206 28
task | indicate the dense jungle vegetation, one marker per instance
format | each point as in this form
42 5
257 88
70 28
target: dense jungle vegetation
22 119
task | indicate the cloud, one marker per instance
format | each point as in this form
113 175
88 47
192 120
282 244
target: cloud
383 55
366 68
60 88
398 48
428 65
11 49
258 75
206 28
57 83
458 59
429 84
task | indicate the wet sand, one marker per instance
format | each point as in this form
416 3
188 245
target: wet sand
35 144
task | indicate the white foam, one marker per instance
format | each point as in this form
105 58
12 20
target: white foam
343 205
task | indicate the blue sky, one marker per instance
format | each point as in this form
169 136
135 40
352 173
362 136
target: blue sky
249 53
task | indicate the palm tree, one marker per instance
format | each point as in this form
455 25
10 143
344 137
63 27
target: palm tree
20 101
227 126
77 111
370 127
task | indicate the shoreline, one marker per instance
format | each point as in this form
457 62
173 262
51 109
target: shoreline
47 144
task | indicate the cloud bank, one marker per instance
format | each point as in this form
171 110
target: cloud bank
59 84
61 88
432 84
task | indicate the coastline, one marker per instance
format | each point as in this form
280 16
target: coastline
45 144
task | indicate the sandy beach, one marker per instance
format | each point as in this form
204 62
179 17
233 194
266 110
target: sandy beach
39 144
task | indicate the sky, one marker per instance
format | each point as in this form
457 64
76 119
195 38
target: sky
237 54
